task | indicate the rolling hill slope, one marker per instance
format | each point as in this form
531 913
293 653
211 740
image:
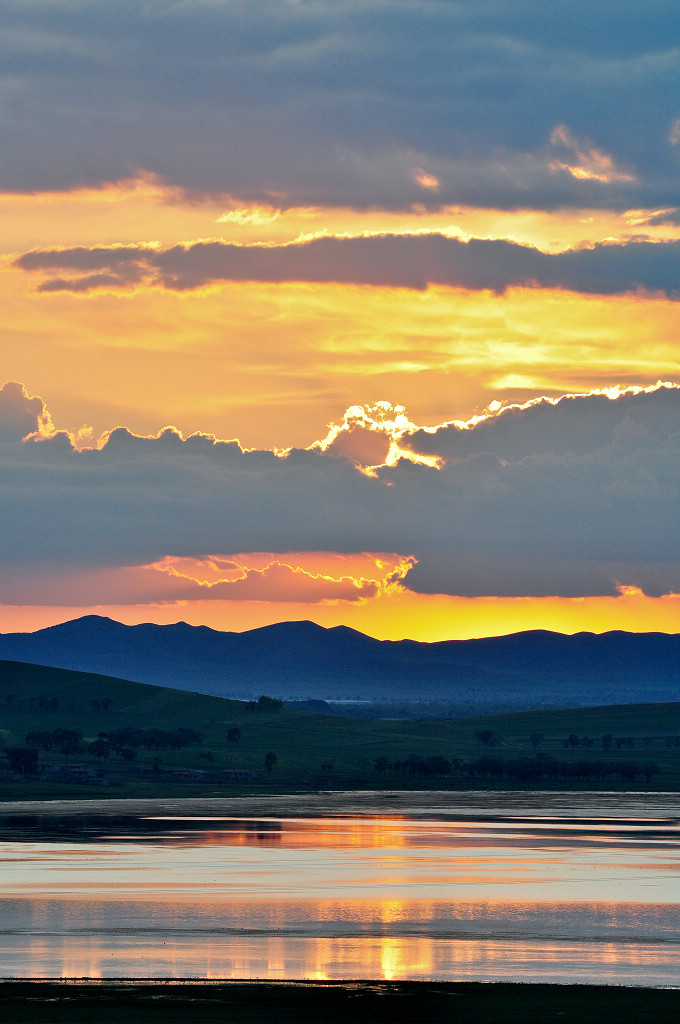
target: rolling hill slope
313 751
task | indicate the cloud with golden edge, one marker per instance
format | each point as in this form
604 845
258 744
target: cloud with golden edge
564 497
283 578
411 261
369 435
425 179
588 163
305 578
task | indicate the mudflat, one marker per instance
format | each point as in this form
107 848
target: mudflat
324 803
384 1002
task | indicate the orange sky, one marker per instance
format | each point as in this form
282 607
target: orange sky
274 364
399 616
418 262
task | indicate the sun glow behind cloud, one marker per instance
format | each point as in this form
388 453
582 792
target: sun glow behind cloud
273 364
371 591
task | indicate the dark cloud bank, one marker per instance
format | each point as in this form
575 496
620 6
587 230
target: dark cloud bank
405 261
563 498
338 102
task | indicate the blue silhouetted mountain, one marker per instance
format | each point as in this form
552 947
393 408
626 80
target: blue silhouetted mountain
300 660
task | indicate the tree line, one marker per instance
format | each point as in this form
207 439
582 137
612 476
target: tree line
70 741
520 769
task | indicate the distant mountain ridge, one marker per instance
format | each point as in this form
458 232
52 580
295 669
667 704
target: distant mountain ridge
301 660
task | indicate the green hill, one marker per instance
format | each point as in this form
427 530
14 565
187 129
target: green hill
159 741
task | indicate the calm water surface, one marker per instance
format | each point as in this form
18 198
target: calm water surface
491 887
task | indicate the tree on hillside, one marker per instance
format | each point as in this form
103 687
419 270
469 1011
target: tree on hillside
270 760
265 704
40 739
67 739
23 759
415 764
234 734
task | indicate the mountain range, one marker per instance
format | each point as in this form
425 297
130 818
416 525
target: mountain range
302 661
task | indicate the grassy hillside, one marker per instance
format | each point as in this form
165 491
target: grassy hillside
312 751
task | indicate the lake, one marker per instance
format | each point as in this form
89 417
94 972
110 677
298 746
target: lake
460 886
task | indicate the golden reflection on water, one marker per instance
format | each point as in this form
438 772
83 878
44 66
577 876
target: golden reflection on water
380 898
395 831
387 958
376 832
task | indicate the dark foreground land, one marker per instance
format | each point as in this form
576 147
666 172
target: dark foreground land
364 1002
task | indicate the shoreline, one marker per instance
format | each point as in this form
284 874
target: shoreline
357 803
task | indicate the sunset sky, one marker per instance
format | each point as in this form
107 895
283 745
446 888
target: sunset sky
359 311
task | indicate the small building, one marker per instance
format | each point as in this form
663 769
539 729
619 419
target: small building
240 774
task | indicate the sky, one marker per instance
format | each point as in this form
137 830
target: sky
359 312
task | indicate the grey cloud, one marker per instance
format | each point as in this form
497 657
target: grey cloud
19 413
405 261
568 518
575 424
332 102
